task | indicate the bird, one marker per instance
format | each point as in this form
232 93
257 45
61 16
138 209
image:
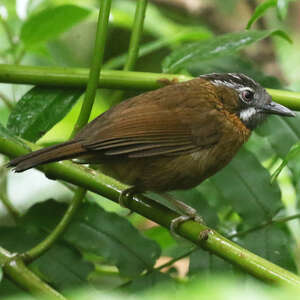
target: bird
171 138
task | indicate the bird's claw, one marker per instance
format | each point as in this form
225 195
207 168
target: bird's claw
183 218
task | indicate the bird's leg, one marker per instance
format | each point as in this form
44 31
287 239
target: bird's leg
189 213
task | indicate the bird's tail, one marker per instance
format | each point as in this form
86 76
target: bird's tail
58 152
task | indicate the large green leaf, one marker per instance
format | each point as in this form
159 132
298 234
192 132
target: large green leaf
219 46
282 133
273 243
203 262
50 23
8 135
114 238
62 265
245 185
9 290
149 281
99 232
39 110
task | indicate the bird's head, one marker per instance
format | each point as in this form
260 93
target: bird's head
254 104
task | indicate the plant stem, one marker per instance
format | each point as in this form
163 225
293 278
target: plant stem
6 101
37 251
97 61
111 189
9 35
14 267
265 224
136 34
133 51
78 77
3 193
175 259
167 264
287 98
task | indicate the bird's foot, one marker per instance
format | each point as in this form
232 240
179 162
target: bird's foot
189 213
125 196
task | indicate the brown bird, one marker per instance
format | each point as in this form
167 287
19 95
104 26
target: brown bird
169 139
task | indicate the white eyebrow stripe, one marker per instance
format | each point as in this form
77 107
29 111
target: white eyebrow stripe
246 89
235 75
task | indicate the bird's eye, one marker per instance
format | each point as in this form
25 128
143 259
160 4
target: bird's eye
247 95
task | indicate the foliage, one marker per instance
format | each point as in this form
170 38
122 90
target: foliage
102 248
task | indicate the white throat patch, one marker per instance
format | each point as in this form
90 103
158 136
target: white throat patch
247 114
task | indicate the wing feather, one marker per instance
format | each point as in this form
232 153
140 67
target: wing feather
148 125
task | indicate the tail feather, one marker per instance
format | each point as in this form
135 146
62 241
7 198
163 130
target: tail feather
58 152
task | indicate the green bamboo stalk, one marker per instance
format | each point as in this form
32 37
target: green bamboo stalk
111 189
111 79
96 65
133 51
14 267
287 98
137 30
78 77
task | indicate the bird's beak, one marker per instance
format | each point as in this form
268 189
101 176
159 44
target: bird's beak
278 109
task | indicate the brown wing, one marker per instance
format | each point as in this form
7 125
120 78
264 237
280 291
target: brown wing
148 125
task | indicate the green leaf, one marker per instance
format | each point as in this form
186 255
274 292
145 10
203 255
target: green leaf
9 290
149 281
260 10
245 185
273 243
162 236
39 110
277 129
219 46
7 134
50 23
8 138
114 238
204 262
62 265
294 151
